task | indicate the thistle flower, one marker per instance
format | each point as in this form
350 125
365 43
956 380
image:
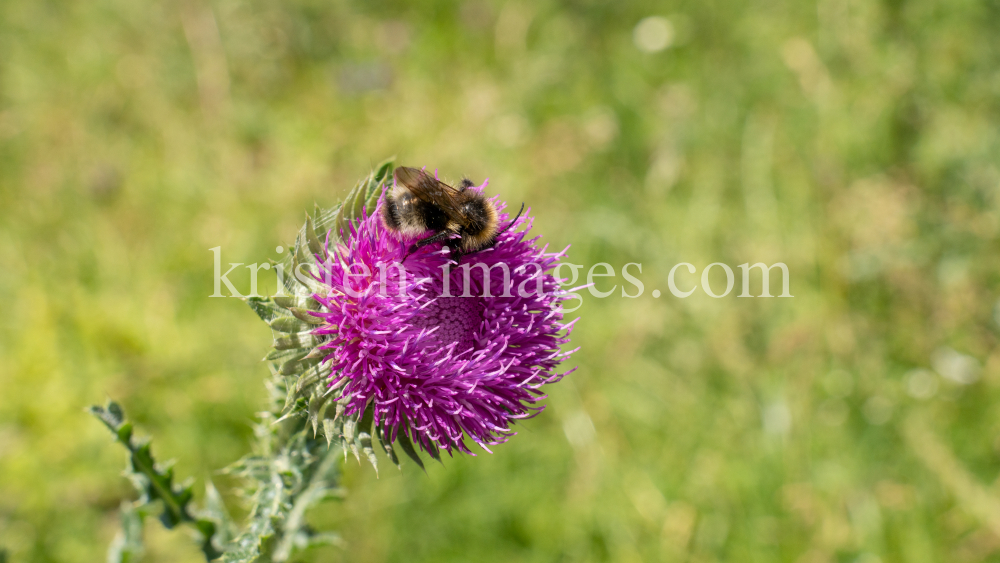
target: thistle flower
439 352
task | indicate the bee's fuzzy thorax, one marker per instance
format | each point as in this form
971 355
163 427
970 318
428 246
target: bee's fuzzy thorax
484 229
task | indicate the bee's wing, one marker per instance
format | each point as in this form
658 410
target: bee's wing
429 189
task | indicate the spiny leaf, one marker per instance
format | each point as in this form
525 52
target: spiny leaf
302 473
154 482
206 529
111 416
215 511
317 489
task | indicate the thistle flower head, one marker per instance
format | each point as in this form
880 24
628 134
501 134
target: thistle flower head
440 352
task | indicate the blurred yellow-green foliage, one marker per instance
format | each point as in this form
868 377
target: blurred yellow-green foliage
854 140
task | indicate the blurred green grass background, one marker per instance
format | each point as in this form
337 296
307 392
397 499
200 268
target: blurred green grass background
854 140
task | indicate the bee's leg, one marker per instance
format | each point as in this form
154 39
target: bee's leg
465 184
456 252
436 237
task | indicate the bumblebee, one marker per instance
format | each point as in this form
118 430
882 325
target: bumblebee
420 203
